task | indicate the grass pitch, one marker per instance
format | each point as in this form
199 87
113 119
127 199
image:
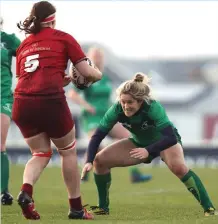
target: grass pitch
162 200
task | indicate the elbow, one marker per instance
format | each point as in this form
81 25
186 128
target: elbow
98 75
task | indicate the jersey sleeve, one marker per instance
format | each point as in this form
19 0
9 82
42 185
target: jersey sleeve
74 50
15 43
158 114
110 118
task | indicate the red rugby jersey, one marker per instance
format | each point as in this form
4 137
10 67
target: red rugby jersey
42 60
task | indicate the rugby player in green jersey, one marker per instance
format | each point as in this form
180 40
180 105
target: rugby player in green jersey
153 134
96 100
9 44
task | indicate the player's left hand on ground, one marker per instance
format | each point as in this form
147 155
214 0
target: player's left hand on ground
86 168
139 153
67 80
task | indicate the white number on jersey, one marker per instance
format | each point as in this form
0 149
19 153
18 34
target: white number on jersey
31 63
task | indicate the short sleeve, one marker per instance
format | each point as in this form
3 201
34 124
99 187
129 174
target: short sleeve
110 118
74 50
158 114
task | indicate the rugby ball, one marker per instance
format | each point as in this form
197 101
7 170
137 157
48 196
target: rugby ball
78 80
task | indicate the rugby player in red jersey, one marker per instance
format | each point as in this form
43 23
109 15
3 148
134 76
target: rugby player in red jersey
40 109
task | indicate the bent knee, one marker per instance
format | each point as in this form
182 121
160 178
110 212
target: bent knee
46 156
179 169
100 160
3 147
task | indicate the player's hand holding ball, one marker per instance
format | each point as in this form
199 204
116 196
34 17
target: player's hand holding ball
79 80
67 80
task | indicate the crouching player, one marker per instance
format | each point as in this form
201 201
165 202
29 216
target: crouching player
152 134
40 109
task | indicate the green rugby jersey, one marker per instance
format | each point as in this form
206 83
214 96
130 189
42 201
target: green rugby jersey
98 96
9 44
145 125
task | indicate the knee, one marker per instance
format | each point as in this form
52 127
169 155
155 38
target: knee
3 145
3 148
99 161
45 157
179 169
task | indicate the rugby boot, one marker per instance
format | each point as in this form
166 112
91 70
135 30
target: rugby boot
6 198
83 214
27 205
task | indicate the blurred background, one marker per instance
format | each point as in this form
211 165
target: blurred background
174 42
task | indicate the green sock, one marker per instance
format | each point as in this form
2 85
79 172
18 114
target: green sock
103 183
195 186
4 171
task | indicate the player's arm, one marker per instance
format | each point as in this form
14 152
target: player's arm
78 99
168 138
78 57
15 44
106 124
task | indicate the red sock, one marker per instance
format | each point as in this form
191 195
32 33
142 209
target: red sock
28 188
76 204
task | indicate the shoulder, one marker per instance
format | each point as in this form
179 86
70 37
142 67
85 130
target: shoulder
8 36
152 106
117 108
59 32
156 109
62 34
155 104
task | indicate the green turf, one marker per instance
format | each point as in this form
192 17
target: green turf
162 200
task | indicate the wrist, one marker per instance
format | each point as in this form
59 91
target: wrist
89 162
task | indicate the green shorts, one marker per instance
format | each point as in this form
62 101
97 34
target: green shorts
6 106
90 122
152 155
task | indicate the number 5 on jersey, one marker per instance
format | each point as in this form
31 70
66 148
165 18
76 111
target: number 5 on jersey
31 63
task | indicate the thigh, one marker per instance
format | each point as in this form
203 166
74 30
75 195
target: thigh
5 123
66 140
58 118
28 116
119 132
39 143
117 154
173 155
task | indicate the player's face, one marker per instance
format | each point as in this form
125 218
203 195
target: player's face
129 104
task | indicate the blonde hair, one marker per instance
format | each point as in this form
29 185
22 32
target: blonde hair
138 88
